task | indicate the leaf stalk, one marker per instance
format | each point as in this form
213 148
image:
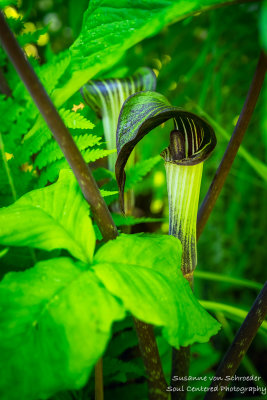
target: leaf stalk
233 146
239 346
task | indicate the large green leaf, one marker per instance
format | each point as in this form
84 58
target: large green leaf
144 272
110 28
190 143
55 217
55 323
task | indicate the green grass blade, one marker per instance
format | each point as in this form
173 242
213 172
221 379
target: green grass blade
235 313
210 276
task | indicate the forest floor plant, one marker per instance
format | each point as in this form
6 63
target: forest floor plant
106 98
204 326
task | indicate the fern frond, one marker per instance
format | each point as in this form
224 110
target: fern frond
49 75
52 152
51 72
51 172
33 143
136 173
74 120
96 154
9 111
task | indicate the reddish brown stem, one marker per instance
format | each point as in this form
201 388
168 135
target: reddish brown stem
99 382
156 382
233 146
239 347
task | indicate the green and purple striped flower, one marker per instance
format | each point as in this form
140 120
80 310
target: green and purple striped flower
191 143
106 97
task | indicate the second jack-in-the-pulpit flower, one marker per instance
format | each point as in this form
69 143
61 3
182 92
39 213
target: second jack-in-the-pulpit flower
106 97
191 142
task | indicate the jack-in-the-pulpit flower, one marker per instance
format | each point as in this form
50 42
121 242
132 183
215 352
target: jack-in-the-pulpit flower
107 96
189 146
191 143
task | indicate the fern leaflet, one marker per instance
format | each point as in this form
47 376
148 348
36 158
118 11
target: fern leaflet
51 172
33 143
139 170
75 120
52 152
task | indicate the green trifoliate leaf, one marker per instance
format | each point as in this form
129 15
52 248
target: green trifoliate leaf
106 98
55 324
143 271
142 112
55 217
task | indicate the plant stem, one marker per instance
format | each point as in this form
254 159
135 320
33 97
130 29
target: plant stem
99 382
246 362
240 345
149 350
233 146
256 316
181 359
180 367
84 177
146 338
